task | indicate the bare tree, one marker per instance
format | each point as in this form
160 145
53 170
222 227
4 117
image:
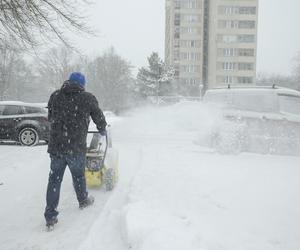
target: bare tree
55 66
29 21
110 79
9 59
22 83
16 75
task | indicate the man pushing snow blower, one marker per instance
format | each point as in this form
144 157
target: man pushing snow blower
70 109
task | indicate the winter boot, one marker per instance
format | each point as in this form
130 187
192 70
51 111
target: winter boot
87 202
50 223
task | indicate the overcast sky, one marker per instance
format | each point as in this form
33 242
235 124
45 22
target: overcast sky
137 27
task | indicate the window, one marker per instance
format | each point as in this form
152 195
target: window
247 10
177 33
191 56
177 4
236 38
32 110
184 55
190 30
191 18
192 81
246 24
246 38
176 43
232 10
227 52
176 68
177 19
228 10
228 66
12 110
193 43
225 79
176 55
195 56
190 44
227 38
228 79
246 52
289 104
190 68
190 4
245 79
227 24
245 66
194 4
234 24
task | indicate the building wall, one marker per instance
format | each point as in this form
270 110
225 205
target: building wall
232 42
211 42
184 45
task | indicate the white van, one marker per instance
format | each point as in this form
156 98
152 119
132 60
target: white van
256 119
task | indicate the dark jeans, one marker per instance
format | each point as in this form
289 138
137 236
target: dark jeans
58 165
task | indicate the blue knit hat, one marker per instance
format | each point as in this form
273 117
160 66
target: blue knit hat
78 78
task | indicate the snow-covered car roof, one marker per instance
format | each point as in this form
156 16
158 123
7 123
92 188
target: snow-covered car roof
258 89
256 99
109 113
19 103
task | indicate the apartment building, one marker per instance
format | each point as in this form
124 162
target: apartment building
211 43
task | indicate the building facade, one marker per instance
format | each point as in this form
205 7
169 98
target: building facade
211 43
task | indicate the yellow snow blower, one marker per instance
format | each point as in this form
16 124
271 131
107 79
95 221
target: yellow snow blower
101 162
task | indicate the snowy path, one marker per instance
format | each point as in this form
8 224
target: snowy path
25 174
172 194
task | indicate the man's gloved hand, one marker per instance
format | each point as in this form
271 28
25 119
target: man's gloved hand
103 132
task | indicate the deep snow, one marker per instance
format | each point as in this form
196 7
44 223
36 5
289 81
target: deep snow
172 193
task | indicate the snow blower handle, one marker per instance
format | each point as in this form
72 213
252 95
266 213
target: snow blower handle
105 151
106 144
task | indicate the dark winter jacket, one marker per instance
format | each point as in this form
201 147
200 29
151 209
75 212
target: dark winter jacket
70 109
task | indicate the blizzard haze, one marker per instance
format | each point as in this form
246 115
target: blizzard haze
134 28
278 35
137 27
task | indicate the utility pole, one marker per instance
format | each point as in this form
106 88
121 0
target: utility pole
200 90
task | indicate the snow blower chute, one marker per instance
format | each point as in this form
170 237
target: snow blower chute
101 162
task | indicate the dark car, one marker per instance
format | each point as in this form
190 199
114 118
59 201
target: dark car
257 119
26 123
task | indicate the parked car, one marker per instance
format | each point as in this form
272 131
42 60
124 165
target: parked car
108 113
256 119
26 123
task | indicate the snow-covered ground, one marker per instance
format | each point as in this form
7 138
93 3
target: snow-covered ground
172 194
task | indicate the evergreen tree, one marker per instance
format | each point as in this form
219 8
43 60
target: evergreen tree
156 79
